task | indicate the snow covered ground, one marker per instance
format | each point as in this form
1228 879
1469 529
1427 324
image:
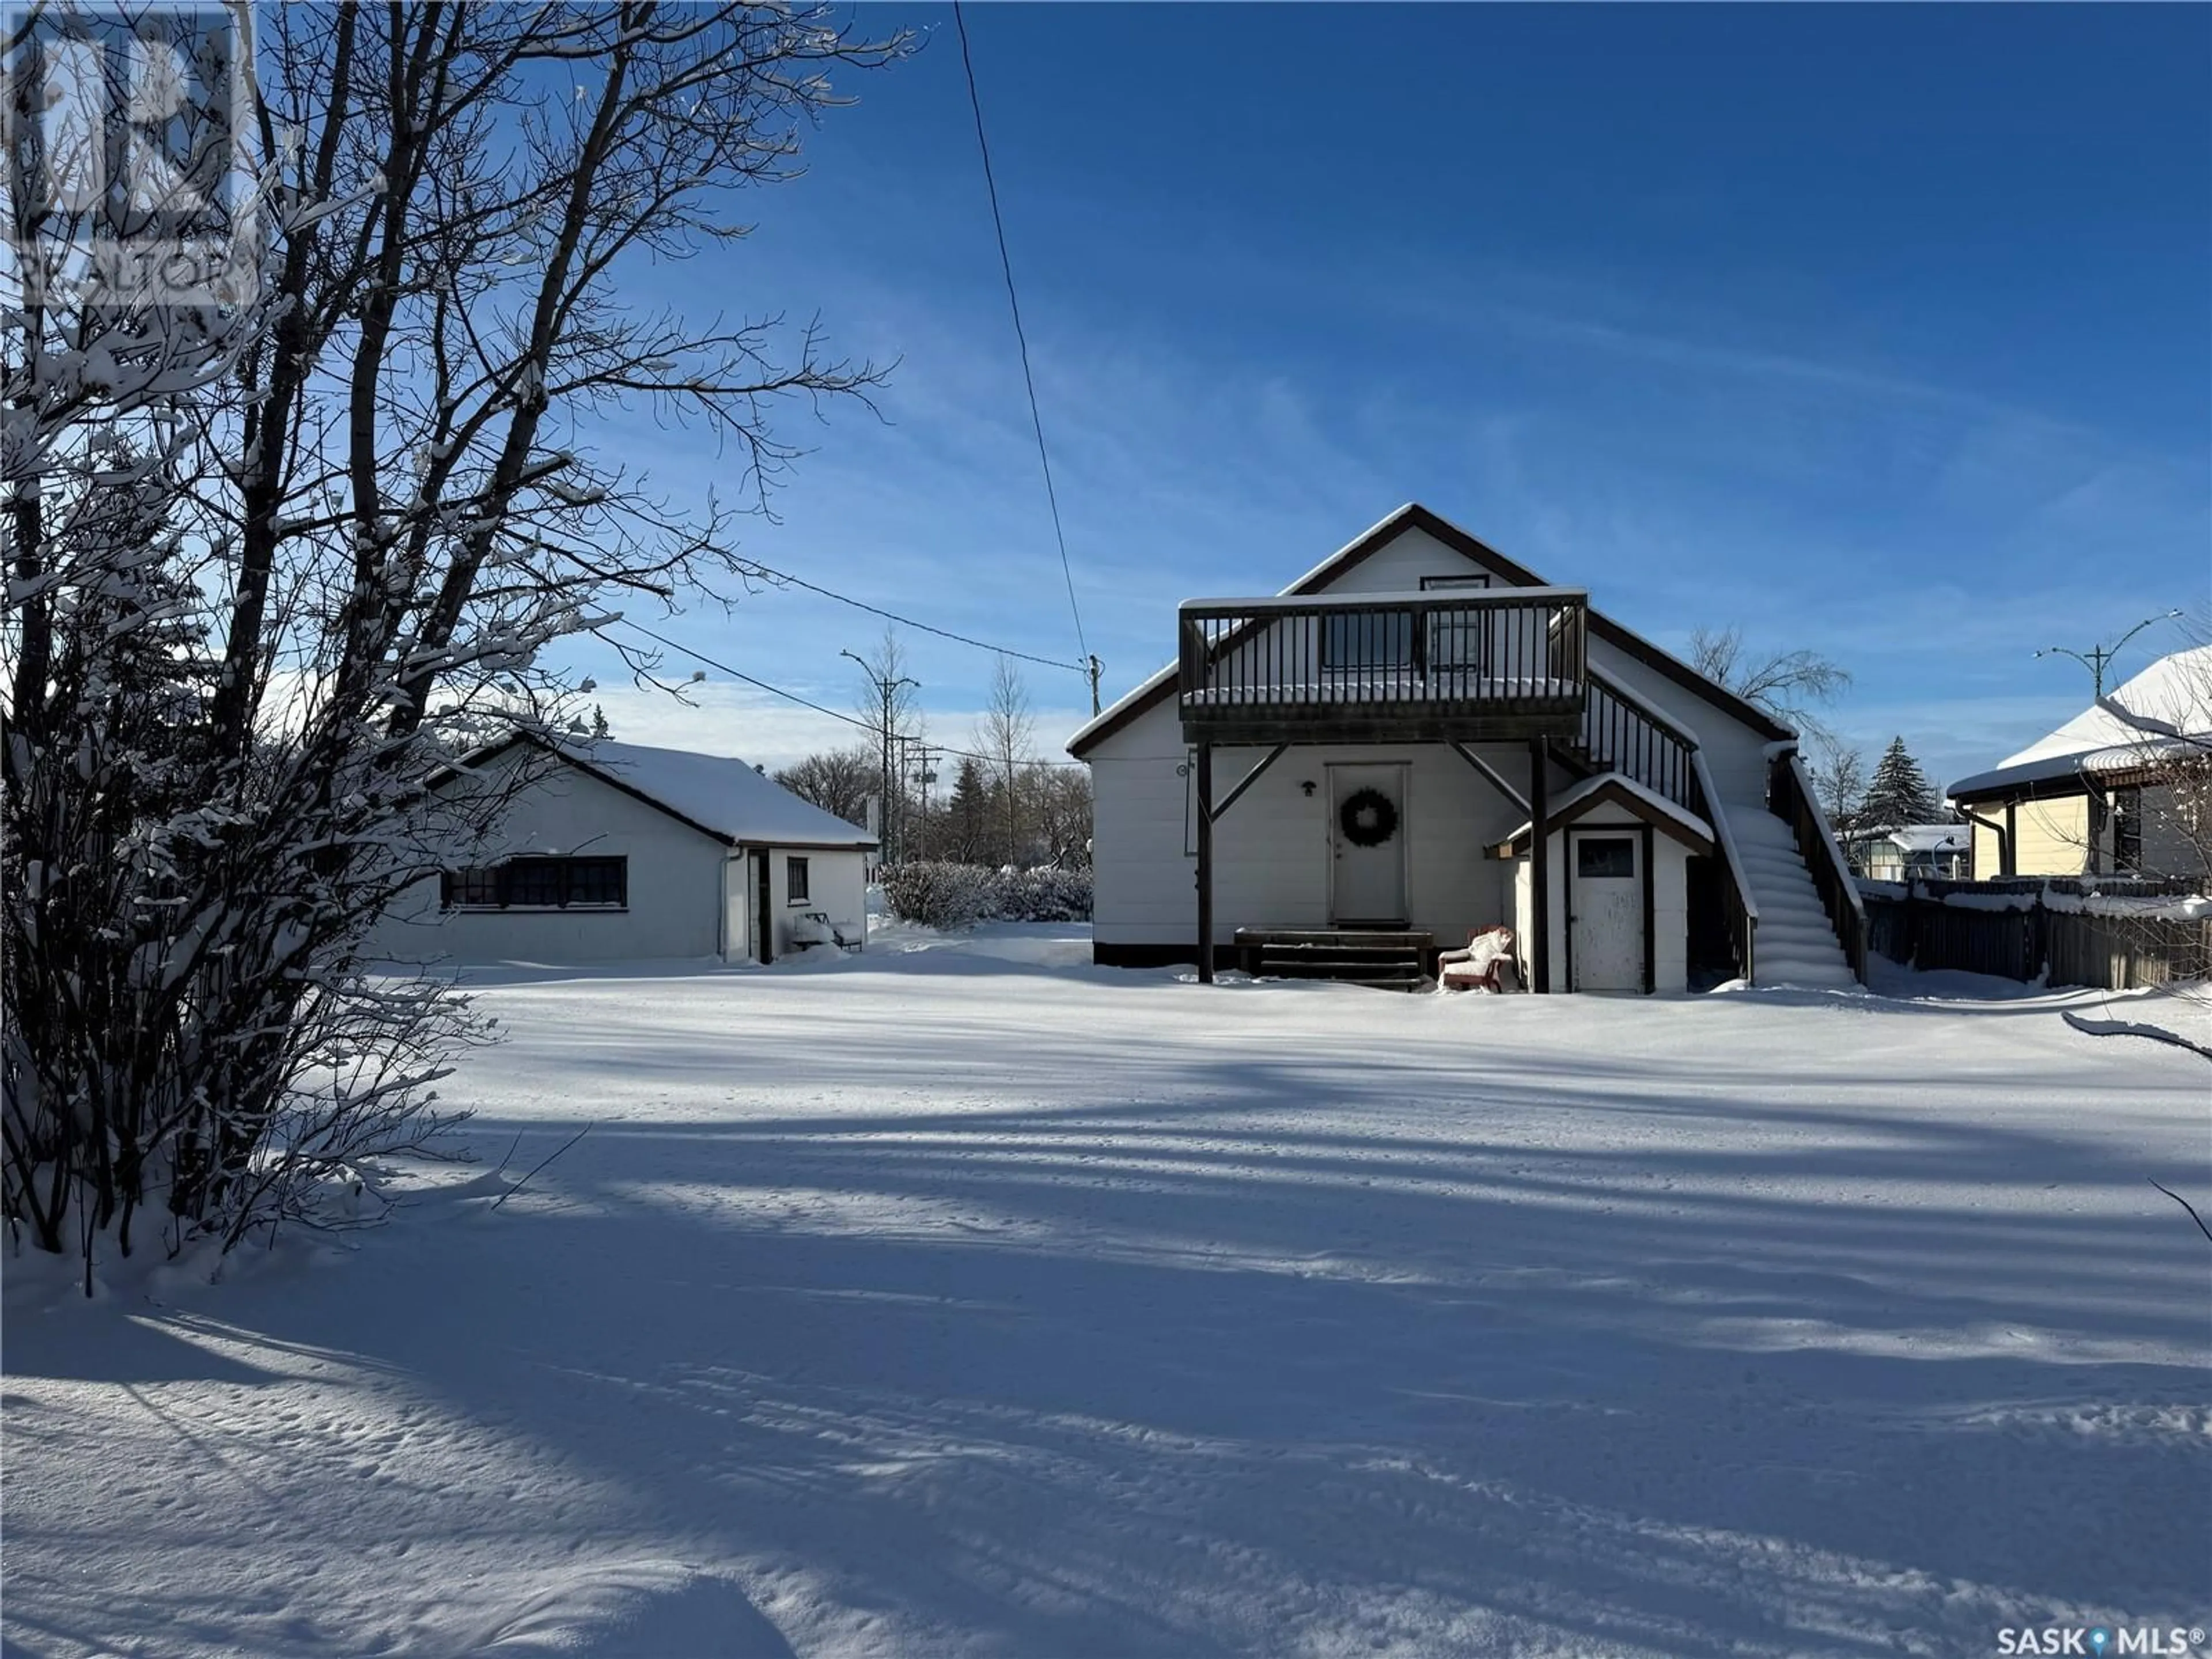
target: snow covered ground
966 1299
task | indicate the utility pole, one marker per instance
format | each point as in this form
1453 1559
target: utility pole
2097 656
1097 669
887 690
925 775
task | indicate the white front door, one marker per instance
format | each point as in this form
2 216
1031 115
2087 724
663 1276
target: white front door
1605 909
1367 844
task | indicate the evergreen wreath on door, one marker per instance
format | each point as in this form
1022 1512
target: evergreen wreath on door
1368 817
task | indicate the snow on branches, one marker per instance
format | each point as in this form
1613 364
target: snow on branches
279 555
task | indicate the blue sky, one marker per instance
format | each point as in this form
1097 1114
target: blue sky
1879 331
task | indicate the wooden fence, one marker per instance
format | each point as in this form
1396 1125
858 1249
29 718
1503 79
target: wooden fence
1912 923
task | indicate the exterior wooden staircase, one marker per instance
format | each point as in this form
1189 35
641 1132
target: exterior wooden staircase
1386 959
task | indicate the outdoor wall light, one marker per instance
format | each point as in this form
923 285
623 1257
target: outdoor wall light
1308 786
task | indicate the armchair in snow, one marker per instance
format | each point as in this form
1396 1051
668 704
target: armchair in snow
815 927
1490 954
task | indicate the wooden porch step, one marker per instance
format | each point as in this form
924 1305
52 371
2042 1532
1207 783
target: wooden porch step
1392 959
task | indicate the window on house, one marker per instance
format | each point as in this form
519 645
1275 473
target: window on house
794 880
2127 829
1456 643
1607 857
1366 639
534 883
541 884
596 884
471 889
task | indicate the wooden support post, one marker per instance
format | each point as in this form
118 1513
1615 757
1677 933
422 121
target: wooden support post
1206 864
1539 865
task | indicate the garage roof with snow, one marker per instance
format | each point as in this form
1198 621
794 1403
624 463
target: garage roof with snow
717 794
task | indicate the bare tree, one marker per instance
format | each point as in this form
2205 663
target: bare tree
1059 806
1006 733
1838 775
838 783
351 496
1786 684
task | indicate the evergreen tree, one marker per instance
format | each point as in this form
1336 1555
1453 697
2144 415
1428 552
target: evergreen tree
970 813
1899 794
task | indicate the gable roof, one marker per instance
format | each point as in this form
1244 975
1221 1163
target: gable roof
720 797
2164 710
1414 516
1618 789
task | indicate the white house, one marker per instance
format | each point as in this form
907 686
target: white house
1418 738
612 852
1943 852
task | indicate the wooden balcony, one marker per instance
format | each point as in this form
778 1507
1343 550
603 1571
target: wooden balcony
1457 666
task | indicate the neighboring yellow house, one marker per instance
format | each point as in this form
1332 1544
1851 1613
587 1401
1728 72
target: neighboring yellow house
2121 787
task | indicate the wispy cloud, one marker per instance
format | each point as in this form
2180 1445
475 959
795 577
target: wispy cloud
1928 536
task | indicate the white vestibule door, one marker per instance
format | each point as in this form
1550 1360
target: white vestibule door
1605 909
1367 804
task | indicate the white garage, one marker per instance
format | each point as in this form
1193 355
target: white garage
614 851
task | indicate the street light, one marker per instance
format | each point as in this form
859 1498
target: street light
2098 656
887 690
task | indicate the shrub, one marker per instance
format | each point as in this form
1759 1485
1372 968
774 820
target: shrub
955 895
936 895
1044 894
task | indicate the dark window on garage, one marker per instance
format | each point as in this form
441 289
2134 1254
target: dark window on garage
541 884
794 880
1605 858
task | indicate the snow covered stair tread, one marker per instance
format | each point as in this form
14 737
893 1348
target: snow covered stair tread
1796 944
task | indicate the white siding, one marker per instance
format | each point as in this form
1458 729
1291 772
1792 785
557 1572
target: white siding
1272 848
1670 903
1735 754
1272 851
837 885
674 882
1399 567
690 896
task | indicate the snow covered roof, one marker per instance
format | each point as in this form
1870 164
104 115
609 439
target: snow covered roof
2156 715
1413 516
1649 803
1924 837
727 798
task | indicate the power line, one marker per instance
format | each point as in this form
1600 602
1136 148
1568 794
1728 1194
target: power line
1006 265
754 567
893 616
869 726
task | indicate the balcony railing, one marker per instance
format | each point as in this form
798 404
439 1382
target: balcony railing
1384 668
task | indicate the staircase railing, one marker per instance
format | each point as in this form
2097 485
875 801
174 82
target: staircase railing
1620 734
1738 907
1790 797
